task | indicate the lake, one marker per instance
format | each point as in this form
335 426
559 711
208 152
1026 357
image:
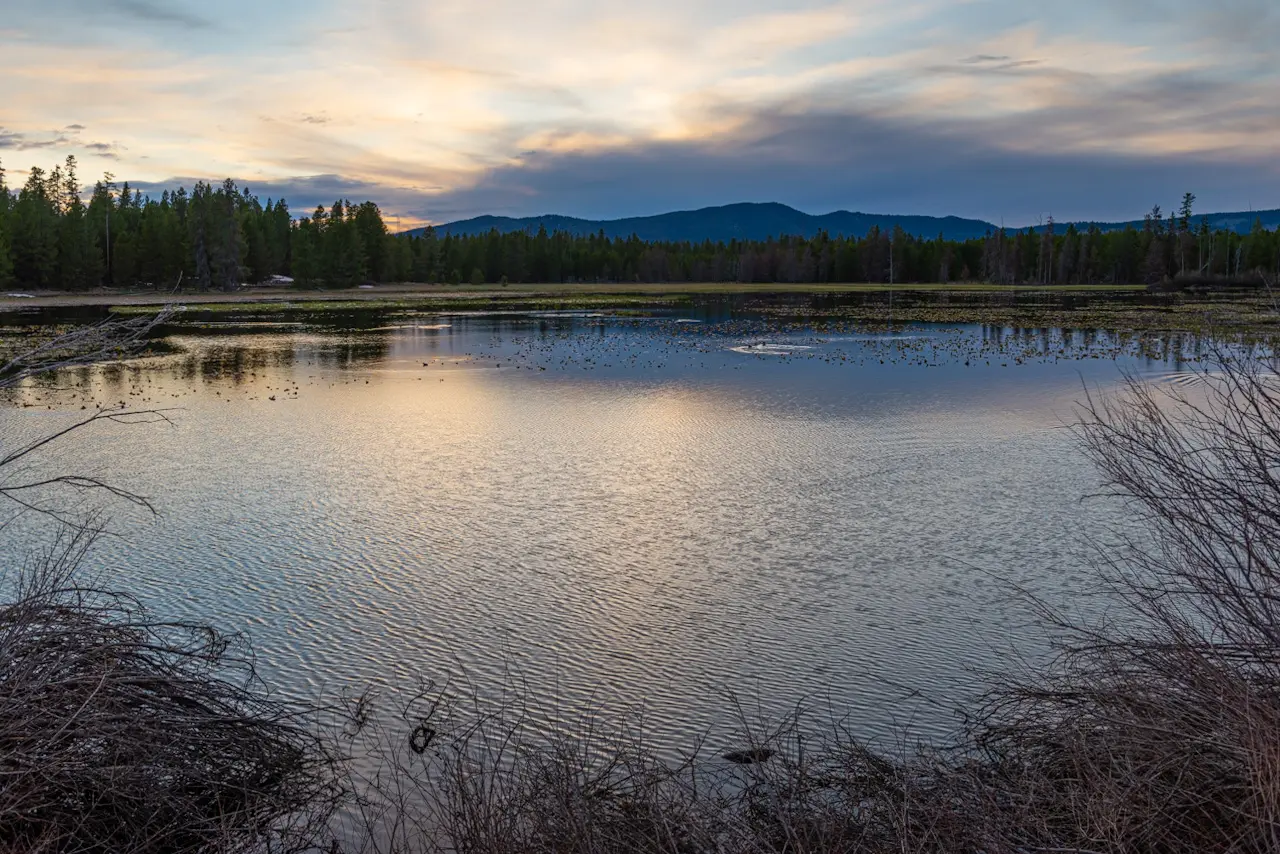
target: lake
657 509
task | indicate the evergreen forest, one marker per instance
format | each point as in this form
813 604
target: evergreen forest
222 237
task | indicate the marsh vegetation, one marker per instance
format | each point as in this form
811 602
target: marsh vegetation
1152 728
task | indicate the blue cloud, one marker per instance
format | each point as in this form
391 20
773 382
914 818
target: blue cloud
825 161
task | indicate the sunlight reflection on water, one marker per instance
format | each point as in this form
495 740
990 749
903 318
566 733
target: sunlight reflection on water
609 511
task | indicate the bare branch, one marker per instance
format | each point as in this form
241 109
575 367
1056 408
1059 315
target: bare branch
120 732
110 340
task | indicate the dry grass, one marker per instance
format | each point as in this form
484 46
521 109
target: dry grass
119 732
1159 732
410 290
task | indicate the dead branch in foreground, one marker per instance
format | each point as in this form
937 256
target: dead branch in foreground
108 340
33 493
1157 733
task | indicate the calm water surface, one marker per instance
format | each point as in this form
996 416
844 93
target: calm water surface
608 510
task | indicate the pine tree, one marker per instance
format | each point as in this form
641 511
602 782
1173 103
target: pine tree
306 251
374 240
227 244
35 234
1184 212
345 251
6 246
200 227
79 267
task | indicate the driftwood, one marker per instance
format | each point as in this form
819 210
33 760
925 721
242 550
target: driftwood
107 340
119 731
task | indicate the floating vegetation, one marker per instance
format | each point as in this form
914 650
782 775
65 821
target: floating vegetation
1106 307
741 332
1225 312
767 349
421 305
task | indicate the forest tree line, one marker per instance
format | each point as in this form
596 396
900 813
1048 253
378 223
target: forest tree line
221 237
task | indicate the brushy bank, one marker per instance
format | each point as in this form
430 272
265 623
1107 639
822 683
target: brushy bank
1156 732
120 732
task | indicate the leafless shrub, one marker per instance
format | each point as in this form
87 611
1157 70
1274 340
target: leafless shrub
1168 729
1157 732
122 733
1160 730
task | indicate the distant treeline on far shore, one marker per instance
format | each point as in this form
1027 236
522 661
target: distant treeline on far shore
220 237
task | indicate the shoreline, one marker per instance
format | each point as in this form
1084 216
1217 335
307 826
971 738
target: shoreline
1115 307
426 292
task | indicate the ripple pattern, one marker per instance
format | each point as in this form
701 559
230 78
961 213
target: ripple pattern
419 502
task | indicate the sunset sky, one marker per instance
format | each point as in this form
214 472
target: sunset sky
999 109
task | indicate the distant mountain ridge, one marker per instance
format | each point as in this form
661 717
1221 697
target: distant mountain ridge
1239 221
745 221
762 220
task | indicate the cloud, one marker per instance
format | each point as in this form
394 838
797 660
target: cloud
9 139
1240 26
16 141
635 108
104 150
825 160
28 142
822 160
161 12
133 22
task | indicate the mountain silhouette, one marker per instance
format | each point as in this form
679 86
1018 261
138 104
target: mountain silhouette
760 221
1237 221
747 221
